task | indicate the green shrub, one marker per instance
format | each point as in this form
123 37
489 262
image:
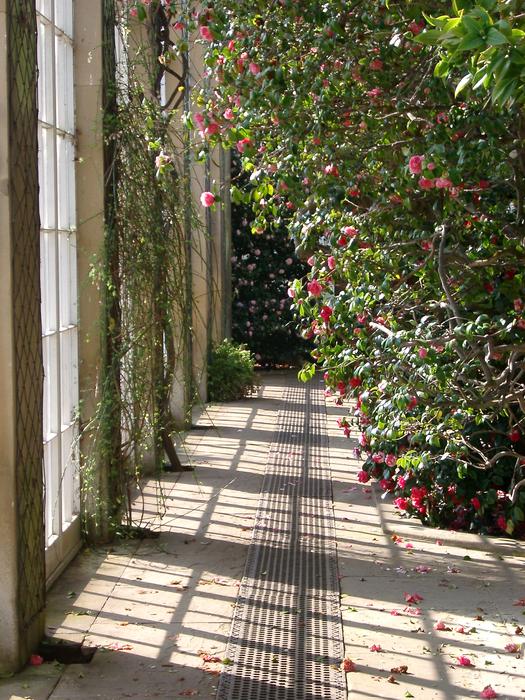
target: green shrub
231 372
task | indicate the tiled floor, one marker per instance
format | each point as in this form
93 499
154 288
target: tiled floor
154 608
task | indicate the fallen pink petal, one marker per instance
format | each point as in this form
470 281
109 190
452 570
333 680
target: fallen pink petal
376 647
512 648
413 597
441 626
488 692
465 661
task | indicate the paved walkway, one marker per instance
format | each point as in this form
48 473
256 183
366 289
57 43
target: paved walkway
160 611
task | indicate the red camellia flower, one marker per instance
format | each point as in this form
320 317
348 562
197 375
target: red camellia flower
476 503
376 64
331 169
426 183
401 503
514 435
501 522
355 382
363 477
325 313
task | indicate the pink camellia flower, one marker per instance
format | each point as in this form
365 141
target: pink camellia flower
331 169
376 64
325 313
390 460
488 692
350 231
442 183
363 477
228 114
134 12
422 352
254 68
207 199
401 503
520 323
378 457
362 440
465 661
331 262
512 648
314 288
476 503
36 660
291 293
415 165
401 482
426 183
311 260
376 647
205 33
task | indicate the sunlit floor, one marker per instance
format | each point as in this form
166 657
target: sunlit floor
160 610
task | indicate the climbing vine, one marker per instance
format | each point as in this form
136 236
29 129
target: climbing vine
144 271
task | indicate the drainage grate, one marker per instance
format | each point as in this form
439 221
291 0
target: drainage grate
286 638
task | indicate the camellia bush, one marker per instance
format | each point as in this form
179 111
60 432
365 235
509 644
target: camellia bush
388 138
262 267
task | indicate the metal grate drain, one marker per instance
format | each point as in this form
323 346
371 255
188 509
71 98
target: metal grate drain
286 640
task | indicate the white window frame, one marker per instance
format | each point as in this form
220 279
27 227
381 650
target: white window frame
56 125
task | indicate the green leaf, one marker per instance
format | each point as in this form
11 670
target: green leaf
465 80
504 90
470 42
496 38
430 37
442 68
307 372
470 24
